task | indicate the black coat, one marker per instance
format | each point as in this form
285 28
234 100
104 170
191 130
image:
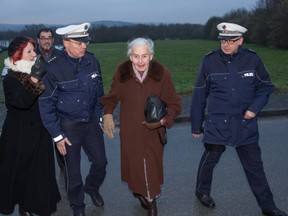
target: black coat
27 172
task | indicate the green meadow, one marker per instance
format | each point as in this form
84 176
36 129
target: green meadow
181 58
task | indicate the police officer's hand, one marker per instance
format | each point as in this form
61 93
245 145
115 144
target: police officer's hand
38 71
153 125
108 125
61 145
249 115
196 135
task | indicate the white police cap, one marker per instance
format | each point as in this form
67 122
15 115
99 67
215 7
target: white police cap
230 30
75 32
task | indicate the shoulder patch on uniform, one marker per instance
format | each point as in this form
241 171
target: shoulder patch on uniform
210 52
251 50
89 52
52 59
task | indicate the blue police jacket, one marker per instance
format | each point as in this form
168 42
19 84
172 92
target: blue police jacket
73 88
229 85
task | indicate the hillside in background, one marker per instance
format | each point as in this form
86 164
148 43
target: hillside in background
11 27
20 27
110 23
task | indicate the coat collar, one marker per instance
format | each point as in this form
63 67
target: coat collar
233 56
155 71
23 66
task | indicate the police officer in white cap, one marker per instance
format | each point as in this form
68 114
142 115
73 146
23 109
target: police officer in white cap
235 85
70 110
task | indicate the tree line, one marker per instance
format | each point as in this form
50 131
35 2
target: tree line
266 24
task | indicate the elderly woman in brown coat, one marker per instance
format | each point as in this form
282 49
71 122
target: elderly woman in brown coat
141 149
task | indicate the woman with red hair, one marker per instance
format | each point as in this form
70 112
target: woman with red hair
26 149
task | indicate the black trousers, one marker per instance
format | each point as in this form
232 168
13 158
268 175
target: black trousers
250 157
88 136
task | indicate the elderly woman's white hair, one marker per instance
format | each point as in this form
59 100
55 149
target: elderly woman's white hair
140 41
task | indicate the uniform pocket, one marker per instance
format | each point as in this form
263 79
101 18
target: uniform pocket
219 80
71 86
249 129
217 128
71 98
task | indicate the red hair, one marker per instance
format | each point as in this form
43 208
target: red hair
16 47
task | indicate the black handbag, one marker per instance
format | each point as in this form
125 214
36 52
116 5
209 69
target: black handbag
155 110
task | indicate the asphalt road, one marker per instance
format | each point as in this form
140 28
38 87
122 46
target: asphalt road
230 189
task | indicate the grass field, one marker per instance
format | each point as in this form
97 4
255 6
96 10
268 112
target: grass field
182 58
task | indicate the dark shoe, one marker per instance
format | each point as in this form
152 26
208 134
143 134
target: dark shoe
22 212
143 201
152 208
77 212
274 212
97 199
205 200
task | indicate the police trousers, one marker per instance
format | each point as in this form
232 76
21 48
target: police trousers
89 136
250 157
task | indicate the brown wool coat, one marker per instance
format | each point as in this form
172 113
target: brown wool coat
141 150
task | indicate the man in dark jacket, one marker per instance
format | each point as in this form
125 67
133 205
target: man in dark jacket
235 84
45 47
71 110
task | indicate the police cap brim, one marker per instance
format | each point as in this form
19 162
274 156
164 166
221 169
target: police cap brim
82 39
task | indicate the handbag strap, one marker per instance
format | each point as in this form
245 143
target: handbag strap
160 138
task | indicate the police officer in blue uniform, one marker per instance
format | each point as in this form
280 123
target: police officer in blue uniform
70 110
235 85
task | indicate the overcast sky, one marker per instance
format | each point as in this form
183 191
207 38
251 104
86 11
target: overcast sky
144 11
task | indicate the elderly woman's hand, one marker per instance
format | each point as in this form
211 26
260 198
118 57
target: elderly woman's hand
153 125
108 125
